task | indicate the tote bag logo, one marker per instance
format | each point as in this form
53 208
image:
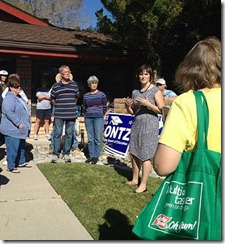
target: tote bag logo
179 215
161 221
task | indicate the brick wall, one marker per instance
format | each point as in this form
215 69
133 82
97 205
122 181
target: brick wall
119 106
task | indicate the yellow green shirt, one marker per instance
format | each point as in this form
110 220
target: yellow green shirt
179 131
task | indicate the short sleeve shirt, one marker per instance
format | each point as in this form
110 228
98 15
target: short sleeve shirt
180 129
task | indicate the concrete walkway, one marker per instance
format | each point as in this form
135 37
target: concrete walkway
30 209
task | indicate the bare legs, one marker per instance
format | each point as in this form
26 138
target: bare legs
37 126
47 123
38 123
146 169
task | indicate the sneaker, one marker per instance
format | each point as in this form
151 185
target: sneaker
35 137
94 161
48 137
55 159
89 160
4 163
67 158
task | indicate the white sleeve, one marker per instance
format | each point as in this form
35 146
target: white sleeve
4 92
23 95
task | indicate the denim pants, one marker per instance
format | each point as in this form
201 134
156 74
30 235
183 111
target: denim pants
75 141
94 127
15 151
58 129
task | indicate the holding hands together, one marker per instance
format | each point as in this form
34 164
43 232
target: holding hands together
128 104
142 101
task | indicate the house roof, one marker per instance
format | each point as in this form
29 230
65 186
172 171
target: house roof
22 33
26 37
8 11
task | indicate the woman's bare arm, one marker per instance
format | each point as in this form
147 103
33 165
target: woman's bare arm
165 160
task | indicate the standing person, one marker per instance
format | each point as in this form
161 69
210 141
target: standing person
95 106
3 78
64 95
200 70
43 109
146 104
169 95
15 125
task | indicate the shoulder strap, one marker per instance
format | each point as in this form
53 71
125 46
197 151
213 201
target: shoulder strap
202 119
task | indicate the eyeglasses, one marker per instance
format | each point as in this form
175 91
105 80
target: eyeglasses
66 72
158 84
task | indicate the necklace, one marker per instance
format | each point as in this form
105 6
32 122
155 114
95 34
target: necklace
145 89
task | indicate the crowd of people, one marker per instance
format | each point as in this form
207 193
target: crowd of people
200 70
145 104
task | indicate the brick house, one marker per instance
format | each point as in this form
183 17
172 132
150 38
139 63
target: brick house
35 49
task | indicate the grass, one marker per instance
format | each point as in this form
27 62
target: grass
98 197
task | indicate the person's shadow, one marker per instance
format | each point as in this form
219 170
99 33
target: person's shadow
28 154
3 179
116 227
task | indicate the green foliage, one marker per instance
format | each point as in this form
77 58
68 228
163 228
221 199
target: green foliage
162 31
99 198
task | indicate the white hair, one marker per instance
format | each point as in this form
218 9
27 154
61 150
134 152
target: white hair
91 79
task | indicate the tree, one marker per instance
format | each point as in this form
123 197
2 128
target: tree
161 31
61 13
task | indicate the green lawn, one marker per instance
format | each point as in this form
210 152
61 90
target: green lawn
97 195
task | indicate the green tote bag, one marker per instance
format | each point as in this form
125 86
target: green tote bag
187 205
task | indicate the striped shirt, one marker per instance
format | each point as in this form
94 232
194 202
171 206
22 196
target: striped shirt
95 105
65 96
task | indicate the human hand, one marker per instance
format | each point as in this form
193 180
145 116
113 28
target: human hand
128 102
142 101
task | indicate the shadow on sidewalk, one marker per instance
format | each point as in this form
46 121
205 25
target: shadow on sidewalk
28 154
3 179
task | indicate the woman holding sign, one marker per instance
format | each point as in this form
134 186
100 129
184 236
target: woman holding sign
145 104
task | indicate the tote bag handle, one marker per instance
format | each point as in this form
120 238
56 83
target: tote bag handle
202 119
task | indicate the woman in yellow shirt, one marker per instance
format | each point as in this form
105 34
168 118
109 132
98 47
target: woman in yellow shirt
200 70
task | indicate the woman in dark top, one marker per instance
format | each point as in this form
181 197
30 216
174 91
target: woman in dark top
95 105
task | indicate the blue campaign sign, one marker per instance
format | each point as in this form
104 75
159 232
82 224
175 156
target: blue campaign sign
117 133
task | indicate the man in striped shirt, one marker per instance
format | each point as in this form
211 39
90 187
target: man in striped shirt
64 95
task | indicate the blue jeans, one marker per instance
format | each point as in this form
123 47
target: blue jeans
75 141
15 151
52 137
94 127
58 129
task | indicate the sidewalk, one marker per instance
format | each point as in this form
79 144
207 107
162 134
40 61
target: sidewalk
30 209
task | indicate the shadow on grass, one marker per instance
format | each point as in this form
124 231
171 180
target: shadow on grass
124 170
116 227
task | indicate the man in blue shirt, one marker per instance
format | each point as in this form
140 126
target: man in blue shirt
64 95
169 95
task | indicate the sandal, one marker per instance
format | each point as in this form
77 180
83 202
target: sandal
13 171
131 183
25 165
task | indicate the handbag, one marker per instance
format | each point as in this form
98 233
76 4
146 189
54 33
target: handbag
77 127
187 205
